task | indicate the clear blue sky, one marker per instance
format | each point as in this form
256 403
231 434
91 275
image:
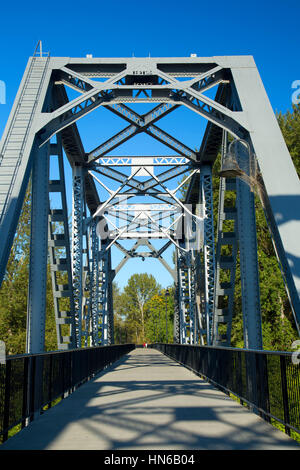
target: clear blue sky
268 30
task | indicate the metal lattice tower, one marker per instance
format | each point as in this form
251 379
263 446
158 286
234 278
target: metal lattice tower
42 126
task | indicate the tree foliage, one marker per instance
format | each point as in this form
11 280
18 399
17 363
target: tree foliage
132 304
278 325
159 324
14 290
290 127
142 311
13 294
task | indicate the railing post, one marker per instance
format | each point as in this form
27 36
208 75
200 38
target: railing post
6 400
263 385
252 380
50 382
285 394
31 381
25 407
38 385
239 376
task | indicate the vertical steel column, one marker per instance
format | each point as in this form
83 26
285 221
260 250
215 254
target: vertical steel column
182 297
185 320
281 192
248 255
200 281
185 314
94 292
188 295
209 246
190 307
110 309
60 256
199 300
103 291
193 316
176 323
36 310
226 255
77 247
86 306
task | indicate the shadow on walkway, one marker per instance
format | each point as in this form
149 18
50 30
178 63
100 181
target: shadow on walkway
148 401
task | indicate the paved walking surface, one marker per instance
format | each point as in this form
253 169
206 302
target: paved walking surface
147 401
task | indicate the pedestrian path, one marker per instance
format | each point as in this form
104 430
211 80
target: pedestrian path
148 401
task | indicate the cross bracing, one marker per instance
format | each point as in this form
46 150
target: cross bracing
139 197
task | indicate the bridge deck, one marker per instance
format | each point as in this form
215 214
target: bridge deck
147 401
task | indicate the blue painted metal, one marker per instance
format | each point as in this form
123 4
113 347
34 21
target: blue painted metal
41 110
36 314
248 254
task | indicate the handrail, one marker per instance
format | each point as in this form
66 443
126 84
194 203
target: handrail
30 383
40 53
228 348
51 353
267 381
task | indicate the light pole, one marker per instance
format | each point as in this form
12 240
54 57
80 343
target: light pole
167 295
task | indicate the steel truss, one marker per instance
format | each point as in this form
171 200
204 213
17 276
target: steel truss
60 257
42 126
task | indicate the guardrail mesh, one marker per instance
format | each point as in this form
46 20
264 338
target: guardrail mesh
269 382
30 383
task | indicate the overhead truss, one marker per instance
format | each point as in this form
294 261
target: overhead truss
134 203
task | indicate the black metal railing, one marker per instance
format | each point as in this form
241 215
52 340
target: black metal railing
30 383
268 382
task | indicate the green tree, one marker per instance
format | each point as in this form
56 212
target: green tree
14 290
158 307
134 304
290 127
13 294
119 317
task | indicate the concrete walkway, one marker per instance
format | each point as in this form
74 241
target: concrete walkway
147 401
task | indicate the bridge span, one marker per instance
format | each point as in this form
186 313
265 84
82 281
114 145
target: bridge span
146 400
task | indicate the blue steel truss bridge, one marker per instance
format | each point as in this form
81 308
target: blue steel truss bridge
143 202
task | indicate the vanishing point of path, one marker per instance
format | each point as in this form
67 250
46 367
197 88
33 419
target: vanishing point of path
147 401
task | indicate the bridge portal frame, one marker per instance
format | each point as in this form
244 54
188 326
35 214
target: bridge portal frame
240 109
